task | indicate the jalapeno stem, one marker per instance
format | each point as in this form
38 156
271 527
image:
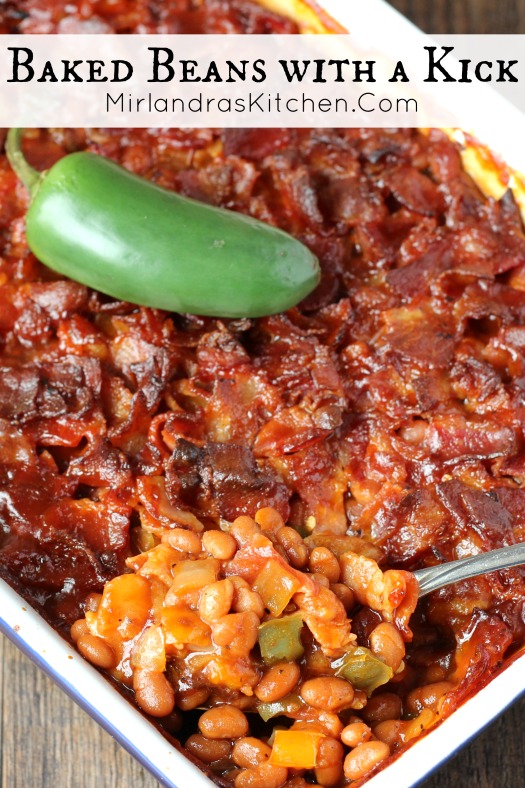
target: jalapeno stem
27 174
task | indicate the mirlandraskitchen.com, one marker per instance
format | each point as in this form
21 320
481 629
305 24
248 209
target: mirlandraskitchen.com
257 104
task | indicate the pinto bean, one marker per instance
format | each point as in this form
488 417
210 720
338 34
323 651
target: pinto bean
237 631
97 651
79 628
223 722
328 693
323 561
248 752
269 519
208 750
219 544
364 758
278 681
355 733
265 775
296 549
183 540
329 766
191 698
387 644
386 706
427 697
215 600
153 693
344 594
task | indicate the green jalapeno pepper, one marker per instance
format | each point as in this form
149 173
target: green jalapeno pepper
97 223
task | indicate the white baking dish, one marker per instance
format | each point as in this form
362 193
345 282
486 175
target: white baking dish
122 720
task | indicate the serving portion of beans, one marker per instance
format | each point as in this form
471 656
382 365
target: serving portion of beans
251 625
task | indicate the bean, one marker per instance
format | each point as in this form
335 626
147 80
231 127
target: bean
435 673
208 750
183 540
244 529
237 631
153 693
296 550
245 599
215 600
322 560
413 728
78 629
330 723
243 702
190 699
265 775
325 722
387 644
391 732
223 722
427 697
97 651
329 766
386 706
328 693
355 733
219 544
269 519
344 594
278 681
360 762
248 752
321 579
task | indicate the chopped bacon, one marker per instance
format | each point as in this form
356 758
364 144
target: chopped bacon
222 480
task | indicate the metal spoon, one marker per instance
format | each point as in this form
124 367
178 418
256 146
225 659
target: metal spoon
444 574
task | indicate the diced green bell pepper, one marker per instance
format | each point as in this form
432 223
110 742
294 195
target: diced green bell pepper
363 670
286 705
280 639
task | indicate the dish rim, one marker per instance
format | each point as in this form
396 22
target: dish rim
24 626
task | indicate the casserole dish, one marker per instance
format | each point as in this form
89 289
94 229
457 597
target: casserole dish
409 774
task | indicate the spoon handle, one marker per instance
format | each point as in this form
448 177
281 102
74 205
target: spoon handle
435 577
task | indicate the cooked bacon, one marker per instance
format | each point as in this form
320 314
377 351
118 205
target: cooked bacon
477 510
254 144
222 480
452 437
417 336
414 277
414 190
